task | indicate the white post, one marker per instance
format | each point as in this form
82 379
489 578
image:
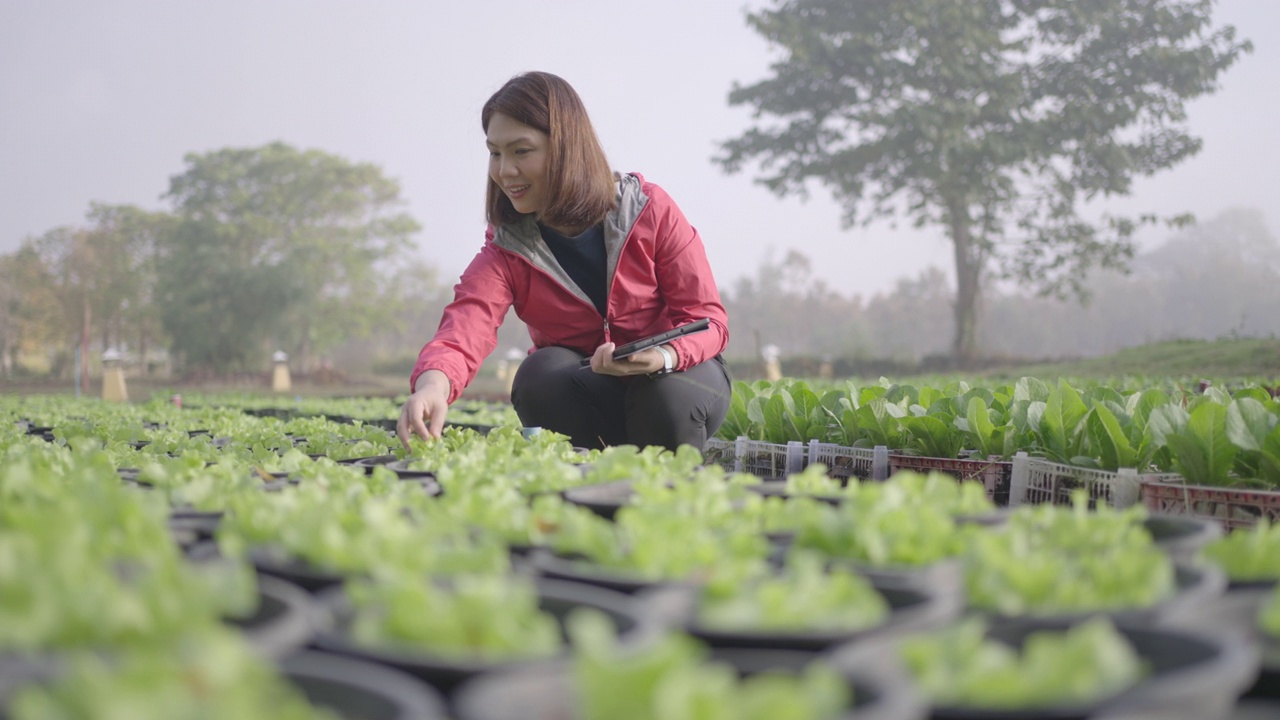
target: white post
772 366
880 462
795 456
1127 489
113 388
1020 478
280 380
510 363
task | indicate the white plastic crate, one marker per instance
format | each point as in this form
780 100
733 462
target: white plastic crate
994 474
769 460
1036 481
720 452
849 462
755 457
1233 508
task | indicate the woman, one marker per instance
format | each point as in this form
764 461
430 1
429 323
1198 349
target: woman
590 260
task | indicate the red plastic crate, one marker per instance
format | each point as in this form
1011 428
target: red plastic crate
1233 507
849 462
994 474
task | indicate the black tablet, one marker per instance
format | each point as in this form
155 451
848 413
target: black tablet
632 348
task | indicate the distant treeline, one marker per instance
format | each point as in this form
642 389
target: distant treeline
274 248
1219 278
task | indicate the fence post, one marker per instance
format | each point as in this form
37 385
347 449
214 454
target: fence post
1128 488
880 462
1020 478
795 456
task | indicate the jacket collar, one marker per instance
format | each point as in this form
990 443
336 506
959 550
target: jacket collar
524 239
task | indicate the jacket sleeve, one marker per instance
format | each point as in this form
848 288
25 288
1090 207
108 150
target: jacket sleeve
685 281
468 329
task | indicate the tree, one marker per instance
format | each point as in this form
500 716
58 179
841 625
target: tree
127 238
81 276
29 310
910 323
276 246
785 305
1219 277
101 276
995 119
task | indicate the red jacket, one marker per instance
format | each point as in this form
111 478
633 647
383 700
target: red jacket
658 278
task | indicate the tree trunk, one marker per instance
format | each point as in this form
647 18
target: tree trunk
84 348
969 258
303 360
142 353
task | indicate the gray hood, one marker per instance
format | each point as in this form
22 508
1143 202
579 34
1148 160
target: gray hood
524 239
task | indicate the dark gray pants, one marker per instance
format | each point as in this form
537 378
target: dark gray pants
553 391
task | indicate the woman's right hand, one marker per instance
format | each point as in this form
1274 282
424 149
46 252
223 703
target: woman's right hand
424 412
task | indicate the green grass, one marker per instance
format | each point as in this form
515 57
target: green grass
1185 361
1248 359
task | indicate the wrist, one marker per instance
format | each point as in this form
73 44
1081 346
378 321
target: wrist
668 360
433 377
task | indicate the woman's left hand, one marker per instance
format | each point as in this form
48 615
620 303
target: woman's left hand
642 363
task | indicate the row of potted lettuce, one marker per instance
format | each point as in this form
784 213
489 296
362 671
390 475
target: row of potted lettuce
651 544
1211 438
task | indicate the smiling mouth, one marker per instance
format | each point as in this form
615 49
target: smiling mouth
517 190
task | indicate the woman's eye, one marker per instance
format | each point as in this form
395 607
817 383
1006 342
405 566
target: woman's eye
524 151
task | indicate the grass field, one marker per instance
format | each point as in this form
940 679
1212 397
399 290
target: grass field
1254 358
1222 360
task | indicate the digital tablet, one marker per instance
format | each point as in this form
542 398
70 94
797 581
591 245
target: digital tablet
632 348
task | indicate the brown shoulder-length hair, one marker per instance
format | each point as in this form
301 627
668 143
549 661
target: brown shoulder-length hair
581 184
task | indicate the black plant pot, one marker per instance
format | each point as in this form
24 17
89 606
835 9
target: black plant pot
1197 588
19 669
778 488
194 526
1240 609
1191 674
911 609
546 692
581 570
333 615
273 562
281 624
359 690
604 499
369 463
401 468
352 689
1182 536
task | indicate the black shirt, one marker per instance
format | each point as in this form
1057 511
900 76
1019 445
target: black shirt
583 258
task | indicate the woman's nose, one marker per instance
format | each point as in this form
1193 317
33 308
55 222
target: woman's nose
506 168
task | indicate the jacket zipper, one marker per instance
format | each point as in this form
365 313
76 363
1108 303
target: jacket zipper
556 280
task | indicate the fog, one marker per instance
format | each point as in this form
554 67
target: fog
99 101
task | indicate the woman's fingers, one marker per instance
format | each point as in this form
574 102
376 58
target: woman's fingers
411 421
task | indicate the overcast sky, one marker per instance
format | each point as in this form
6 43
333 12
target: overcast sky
100 100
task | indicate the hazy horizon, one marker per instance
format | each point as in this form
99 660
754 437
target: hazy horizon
100 102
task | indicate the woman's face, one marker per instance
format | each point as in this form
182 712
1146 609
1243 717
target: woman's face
518 162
